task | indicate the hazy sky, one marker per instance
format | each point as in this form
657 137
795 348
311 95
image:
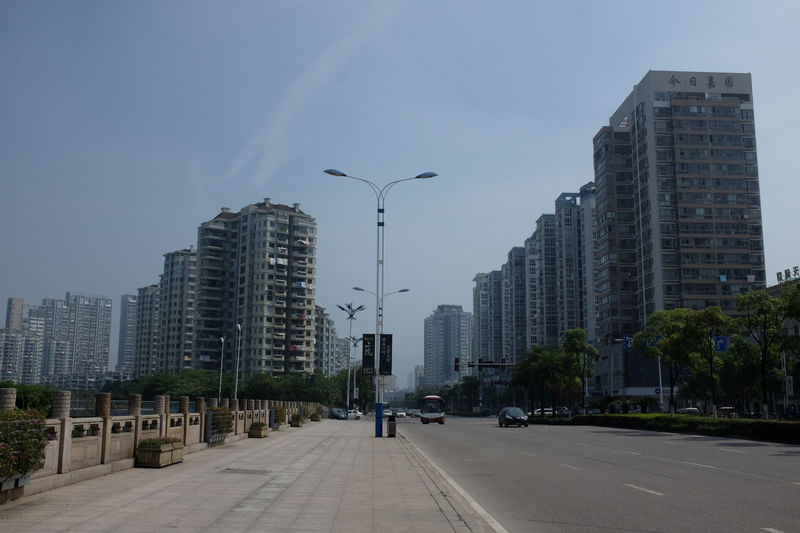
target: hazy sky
124 125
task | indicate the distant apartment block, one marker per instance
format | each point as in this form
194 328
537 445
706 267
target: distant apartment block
177 294
148 320
326 343
448 335
126 347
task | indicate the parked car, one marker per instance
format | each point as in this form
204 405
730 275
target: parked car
400 413
337 413
354 413
512 416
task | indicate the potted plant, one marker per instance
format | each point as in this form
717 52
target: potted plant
297 420
23 438
218 425
258 430
159 452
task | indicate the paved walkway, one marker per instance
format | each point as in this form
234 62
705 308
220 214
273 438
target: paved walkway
332 475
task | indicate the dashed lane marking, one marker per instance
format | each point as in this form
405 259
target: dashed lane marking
653 492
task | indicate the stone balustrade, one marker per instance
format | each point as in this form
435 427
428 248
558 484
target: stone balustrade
83 448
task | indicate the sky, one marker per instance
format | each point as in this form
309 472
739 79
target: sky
125 125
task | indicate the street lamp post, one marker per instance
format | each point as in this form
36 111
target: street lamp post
380 195
380 323
238 353
351 315
221 357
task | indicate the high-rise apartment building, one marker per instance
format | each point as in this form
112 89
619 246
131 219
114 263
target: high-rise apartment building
177 293
148 320
588 259
542 293
569 275
89 333
256 269
678 206
487 309
514 305
14 312
325 346
448 335
126 347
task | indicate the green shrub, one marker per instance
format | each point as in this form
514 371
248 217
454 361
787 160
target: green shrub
258 425
23 439
221 420
157 441
280 414
297 420
316 417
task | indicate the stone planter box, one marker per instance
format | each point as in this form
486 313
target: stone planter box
159 456
258 433
15 481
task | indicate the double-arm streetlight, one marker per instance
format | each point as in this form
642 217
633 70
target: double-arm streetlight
380 304
380 195
351 315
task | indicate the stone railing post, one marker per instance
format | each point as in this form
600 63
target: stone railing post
102 408
8 399
200 407
135 410
158 409
61 411
225 403
184 402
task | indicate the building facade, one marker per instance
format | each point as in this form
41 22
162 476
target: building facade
257 270
148 320
177 297
126 347
678 208
448 335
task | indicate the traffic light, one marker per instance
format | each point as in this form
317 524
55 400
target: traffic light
455 365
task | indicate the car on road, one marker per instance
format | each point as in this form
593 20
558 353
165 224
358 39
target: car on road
512 416
337 413
400 414
354 413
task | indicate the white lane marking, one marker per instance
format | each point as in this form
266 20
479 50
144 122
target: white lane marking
629 452
565 465
771 530
795 483
655 493
668 442
699 464
732 451
529 453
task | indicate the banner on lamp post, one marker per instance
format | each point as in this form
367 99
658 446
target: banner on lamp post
368 354
386 354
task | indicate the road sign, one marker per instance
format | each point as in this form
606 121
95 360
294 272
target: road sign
721 343
627 341
368 354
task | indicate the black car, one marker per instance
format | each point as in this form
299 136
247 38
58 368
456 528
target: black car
512 416
338 414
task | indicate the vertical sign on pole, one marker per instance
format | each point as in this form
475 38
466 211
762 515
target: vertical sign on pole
368 354
386 354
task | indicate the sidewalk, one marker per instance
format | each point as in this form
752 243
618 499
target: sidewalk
332 475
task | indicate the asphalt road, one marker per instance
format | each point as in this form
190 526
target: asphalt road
569 479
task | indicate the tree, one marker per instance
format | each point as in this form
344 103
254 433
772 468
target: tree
706 326
666 336
762 320
581 356
541 369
